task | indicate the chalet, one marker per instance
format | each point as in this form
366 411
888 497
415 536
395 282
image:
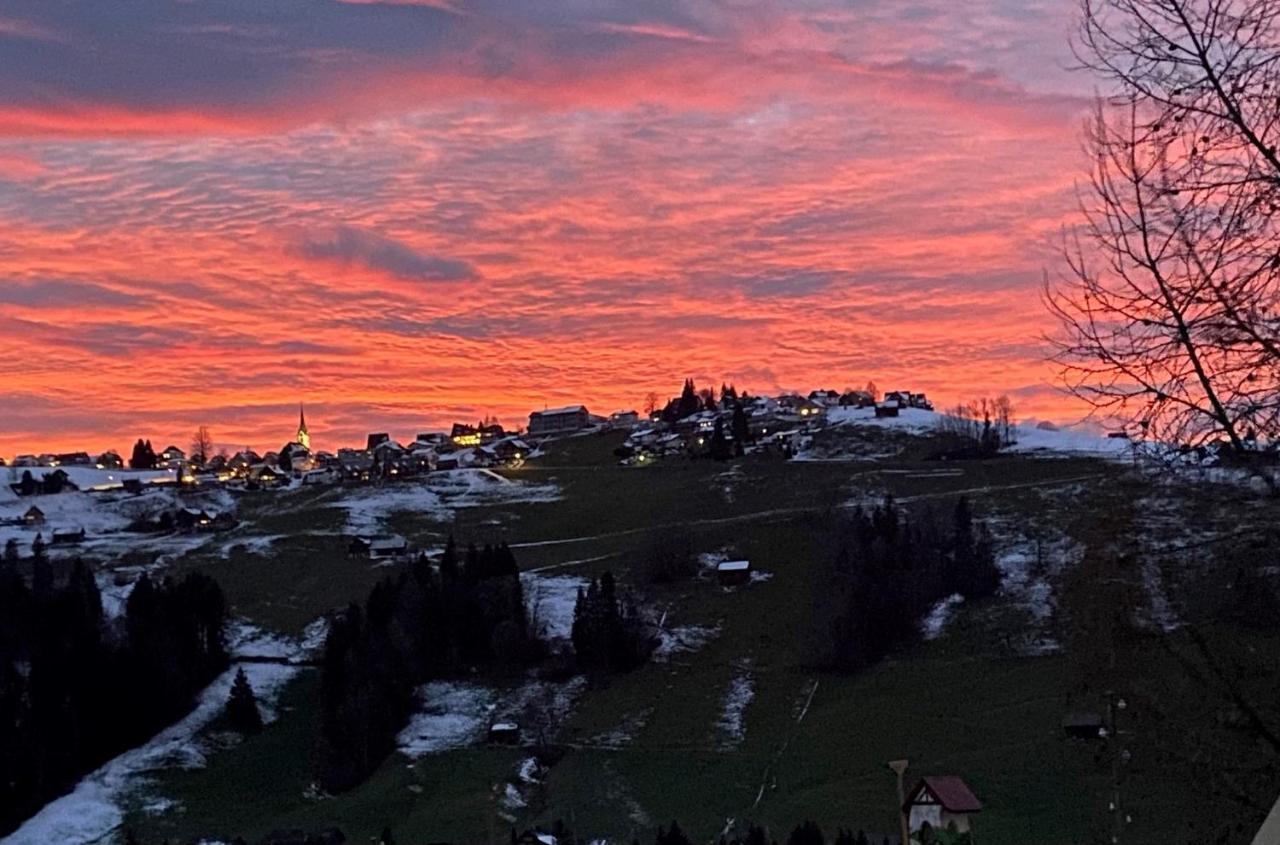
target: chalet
504 733
48 459
378 546
66 537
26 461
1085 725
733 573
110 459
33 516
888 408
559 420
941 801
76 459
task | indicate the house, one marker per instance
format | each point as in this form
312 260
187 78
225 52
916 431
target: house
110 459
808 409
888 408
504 733
79 459
172 457
511 450
463 435
328 475
941 801
66 537
376 438
198 519
378 546
26 461
857 399
624 419
1085 725
826 398
33 516
733 573
559 420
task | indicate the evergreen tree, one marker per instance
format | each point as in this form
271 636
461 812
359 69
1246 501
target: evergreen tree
807 833
242 706
11 553
672 836
449 561
720 448
741 427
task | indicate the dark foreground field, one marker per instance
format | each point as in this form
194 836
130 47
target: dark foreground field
984 700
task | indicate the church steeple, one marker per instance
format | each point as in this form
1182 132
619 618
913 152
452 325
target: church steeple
303 438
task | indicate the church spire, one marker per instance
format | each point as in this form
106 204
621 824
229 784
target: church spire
303 438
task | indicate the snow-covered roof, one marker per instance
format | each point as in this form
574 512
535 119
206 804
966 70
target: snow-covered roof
733 566
567 409
506 726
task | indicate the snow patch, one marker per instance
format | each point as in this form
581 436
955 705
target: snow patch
733 709
437 496
936 620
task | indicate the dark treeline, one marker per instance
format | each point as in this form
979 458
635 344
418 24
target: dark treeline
76 688
413 628
887 571
609 632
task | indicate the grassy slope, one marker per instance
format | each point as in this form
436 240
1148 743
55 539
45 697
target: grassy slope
962 704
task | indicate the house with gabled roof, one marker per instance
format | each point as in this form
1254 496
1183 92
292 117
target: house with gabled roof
941 801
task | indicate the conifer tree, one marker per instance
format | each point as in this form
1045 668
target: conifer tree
242 706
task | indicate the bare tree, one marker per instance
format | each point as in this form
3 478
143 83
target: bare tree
1169 309
201 446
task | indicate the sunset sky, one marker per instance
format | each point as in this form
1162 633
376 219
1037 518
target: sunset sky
408 212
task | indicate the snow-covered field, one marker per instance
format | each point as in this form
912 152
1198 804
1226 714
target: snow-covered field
1030 438
93 812
437 496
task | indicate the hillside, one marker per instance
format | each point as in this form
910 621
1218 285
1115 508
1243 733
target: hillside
729 722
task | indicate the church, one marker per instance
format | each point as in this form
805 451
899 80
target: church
299 451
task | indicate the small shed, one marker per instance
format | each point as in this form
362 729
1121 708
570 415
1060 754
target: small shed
378 546
1084 725
941 801
504 733
733 573
33 516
